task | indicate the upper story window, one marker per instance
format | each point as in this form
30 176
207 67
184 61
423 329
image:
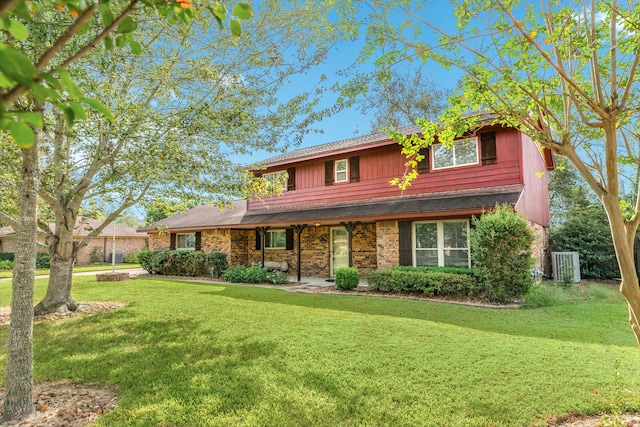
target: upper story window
186 242
276 239
342 171
463 152
277 180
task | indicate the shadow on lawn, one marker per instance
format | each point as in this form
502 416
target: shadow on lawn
593 322
175 361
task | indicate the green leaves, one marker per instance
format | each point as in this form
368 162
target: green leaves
16 28
22 134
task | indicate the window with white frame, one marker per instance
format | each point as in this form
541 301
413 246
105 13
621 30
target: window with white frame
277 180
275 239
186 242
342 171
463 152
441 243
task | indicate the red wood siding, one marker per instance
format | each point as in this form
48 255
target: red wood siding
380 165
534 203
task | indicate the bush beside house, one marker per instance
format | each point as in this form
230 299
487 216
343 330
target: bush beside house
501 248
183 263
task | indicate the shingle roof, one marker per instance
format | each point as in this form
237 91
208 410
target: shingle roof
336 146
202 217
474 200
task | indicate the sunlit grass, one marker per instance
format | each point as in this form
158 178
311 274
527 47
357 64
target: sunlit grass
186 353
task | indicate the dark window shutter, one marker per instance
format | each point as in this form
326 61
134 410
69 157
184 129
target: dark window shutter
289 245
198 240
258 241
488 148
172 241
354 169
328 172
291 179
404 243
423 165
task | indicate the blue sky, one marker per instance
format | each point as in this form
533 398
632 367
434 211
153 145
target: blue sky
350 123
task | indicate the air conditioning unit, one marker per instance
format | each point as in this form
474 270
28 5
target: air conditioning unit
566 265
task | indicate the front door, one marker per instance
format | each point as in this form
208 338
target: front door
339 249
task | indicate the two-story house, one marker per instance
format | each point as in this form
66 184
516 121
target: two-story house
338 208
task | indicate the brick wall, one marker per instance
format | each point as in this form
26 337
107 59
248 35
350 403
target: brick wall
218 240
363 250
159 241
104 245
387 242
239 243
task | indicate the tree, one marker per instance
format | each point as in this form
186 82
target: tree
161 208
178 109
563 73
26 84
402 99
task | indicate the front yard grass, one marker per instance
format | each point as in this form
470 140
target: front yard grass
4 274
195 353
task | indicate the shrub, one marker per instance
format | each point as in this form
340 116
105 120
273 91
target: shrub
347 278
182 263
7 256
218 263
43 261
586 231
234 274
6 265
242 274
428 283
501 248
132 258
96 255
277 277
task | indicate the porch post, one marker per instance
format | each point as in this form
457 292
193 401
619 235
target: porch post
298 229
350 226
262 231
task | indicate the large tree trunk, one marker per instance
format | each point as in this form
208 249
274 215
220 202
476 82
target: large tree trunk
58 298
18 398
623 243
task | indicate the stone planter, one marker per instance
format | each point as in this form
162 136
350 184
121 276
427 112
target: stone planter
112 277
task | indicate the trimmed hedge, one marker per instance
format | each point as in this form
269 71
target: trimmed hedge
347 278
183 263
422 281
7 256
43 261
254 274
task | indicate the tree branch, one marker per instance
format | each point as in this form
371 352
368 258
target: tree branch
6 6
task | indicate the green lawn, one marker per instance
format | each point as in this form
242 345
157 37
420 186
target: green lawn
78 269
196 354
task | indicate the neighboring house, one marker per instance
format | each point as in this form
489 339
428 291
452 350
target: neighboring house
338 209
128 241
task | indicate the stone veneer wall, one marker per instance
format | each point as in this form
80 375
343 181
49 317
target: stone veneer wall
388 244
